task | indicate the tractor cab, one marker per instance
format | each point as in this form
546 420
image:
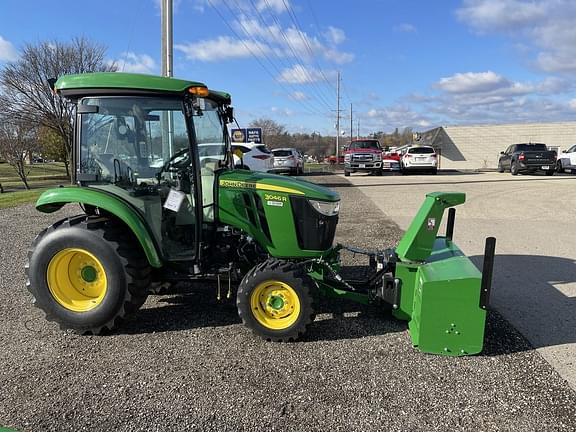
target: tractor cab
156 148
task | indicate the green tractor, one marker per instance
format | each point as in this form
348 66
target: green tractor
163 202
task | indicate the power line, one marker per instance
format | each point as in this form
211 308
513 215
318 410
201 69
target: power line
300 32
281 60
252 52
311 80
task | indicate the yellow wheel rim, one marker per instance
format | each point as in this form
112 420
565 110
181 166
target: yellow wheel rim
76 279
275 305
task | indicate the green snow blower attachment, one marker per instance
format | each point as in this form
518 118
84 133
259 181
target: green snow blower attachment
166 200
427 280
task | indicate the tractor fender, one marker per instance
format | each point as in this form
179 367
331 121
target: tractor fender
54 199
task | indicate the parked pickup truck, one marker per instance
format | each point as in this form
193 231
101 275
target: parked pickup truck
363 155
527 158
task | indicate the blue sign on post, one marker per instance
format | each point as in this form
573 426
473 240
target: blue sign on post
254 135
246 135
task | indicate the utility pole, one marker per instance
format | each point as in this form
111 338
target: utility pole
358 130
351 127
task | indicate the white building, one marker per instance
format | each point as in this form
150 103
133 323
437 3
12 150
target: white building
478 146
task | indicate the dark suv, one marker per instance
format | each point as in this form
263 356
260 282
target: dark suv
527 158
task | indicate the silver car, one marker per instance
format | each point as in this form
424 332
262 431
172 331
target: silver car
288 160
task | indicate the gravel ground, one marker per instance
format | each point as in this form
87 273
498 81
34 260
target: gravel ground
185 362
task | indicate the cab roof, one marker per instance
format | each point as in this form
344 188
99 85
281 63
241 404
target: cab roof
99 83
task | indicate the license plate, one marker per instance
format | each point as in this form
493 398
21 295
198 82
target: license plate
546 167
362 165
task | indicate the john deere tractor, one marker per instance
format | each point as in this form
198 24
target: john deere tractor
163 202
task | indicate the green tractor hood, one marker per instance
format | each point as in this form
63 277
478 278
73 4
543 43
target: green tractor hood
254 180
278 212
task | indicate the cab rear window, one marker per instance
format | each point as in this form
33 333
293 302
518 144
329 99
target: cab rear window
531 147
282 153
263 149
421 150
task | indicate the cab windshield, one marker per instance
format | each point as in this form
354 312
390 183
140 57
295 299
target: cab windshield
129 139
368 144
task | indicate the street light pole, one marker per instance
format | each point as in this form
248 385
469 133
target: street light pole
167 38
167 42
337 115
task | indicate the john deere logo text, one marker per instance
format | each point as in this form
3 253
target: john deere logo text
237 184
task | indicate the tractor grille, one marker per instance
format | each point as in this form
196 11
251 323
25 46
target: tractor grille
313 230
255 212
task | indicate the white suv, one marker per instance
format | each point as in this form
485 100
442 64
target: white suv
288 160
254 157
419 158
567 160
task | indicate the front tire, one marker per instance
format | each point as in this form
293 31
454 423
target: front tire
500 167
275 301
550 172
87 274
559 168
346 173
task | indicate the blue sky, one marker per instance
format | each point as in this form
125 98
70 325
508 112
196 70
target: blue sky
403 63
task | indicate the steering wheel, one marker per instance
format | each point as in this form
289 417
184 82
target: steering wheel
178 161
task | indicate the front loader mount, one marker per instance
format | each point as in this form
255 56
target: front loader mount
427 280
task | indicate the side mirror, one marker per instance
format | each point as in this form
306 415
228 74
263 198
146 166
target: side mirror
564 151
502 153
229 114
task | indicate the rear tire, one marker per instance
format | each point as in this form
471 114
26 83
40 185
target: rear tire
87 274
514 168
434 171
275 301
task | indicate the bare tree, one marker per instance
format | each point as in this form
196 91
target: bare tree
25 92
17 142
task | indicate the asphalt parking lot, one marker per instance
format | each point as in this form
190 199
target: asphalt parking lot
185 362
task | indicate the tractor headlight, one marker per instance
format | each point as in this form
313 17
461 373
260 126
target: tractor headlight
327 208
378 157
347 157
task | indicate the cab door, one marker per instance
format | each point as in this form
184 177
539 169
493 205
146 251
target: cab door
506 157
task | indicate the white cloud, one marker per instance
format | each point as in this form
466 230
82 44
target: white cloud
299 74
335 35
286 42
7 50
136 63
405 28
487 15
222 48
543 26
282 111
298 95
572 104
274 5
473 82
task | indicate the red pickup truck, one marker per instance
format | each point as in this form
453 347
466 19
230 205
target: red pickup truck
363 155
